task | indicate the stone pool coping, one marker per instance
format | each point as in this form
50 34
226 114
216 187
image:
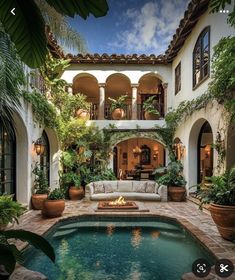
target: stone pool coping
198 223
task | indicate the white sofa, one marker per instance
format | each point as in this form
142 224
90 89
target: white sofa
133 190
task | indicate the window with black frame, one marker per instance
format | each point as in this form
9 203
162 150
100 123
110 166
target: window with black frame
201 57
178 78
7 161
45 157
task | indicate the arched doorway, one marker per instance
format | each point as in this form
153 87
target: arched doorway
230 153
45 157
7 160
205 153
136 158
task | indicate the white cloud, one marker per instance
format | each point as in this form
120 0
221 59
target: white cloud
149 29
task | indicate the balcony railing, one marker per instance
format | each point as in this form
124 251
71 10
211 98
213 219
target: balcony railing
108 114
140 111
94 111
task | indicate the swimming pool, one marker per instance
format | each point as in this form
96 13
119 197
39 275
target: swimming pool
117 248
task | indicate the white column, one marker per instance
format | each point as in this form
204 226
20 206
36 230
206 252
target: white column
134 101
102 100
165 85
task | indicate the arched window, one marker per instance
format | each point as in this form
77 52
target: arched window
45 157
7 160
201 57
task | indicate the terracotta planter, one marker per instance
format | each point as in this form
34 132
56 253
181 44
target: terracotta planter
150 116
53 208
176 194
37 201
224 218
75 193
118 114
82 114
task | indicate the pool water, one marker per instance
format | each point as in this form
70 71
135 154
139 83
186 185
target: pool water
119 249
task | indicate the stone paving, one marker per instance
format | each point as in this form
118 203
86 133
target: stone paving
198 222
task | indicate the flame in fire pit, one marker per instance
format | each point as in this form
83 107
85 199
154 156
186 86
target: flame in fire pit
119 201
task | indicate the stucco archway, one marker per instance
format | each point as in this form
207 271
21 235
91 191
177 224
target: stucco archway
194 151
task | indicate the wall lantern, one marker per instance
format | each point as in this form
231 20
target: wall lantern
155 154
179 149
207 151
39 146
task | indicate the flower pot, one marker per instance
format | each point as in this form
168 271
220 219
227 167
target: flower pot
176 194
53 208
150 116
82 114
37 201
224 218
75 193
118 114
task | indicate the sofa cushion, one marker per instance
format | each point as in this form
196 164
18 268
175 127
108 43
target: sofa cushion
104 196
150 187
108 188
124 186
98 187
111 183
139 186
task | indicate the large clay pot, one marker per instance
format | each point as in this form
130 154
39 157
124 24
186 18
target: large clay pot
37 201
176 194
75 193
224 218
118 114
53 208
150 116
82 114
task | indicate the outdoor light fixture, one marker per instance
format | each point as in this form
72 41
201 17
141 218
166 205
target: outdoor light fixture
39 146
207 151
179 149
155 155
136 151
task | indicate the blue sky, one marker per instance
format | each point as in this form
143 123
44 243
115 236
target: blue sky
132 26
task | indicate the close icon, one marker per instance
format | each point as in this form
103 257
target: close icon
201 268
224 268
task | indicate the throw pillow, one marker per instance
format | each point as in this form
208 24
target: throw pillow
141 187
98 187
150 188
108 188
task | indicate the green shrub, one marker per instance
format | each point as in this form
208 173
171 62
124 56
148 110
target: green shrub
10 210
40 182
56 194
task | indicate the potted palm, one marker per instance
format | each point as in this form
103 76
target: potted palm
73 182
220 193
10 211
82 107
54 205
150 111
174 180
117 107
40 187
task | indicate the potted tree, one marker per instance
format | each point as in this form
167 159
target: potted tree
72 181
54 205
174 180
150 111
82 107
40 187
220 193
117 107
10 211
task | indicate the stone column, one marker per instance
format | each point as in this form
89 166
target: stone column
102 100
165 85
134 101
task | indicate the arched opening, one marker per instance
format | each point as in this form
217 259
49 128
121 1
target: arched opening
45 157
200 153
136 158
88 85
116 86
7 160
230 153
205 153
150 85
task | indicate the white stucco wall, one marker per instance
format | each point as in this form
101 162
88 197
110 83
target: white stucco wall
27 131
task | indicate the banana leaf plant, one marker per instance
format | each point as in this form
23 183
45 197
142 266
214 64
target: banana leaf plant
27 27
9 254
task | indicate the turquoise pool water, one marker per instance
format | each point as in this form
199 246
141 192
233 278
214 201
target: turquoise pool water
118 249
